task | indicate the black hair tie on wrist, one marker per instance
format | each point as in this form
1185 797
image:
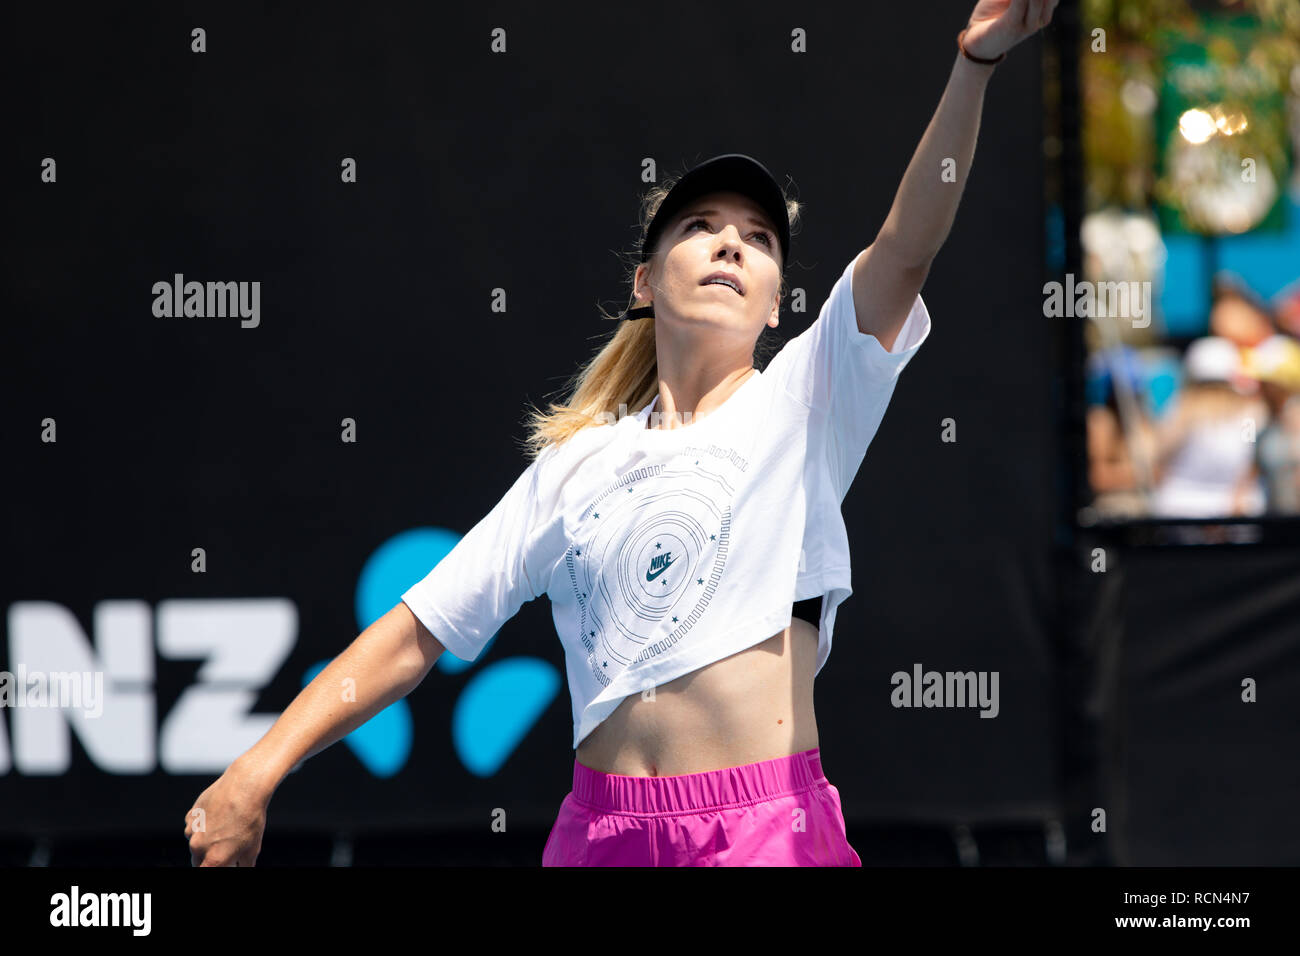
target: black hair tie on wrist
978 59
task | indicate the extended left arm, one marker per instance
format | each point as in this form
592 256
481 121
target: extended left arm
890 272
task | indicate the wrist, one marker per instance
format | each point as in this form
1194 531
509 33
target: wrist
974 56
258 774
972 73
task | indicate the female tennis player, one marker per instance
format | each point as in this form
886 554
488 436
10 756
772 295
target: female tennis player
693 552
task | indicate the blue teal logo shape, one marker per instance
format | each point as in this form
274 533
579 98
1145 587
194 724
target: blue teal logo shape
497 708
494 711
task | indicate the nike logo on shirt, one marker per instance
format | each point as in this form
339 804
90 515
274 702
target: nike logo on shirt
659 564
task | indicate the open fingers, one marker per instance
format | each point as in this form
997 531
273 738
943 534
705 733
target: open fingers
1018 12
1034 15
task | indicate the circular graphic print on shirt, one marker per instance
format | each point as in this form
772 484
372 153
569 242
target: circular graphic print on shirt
654 550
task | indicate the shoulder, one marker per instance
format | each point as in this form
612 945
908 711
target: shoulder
557 462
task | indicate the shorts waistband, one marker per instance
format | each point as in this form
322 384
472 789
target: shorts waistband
692 792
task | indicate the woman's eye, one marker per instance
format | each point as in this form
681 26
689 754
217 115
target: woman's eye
766 236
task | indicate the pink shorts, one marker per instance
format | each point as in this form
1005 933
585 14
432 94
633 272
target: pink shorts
781 812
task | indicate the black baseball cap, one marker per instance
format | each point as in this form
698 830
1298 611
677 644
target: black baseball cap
730 172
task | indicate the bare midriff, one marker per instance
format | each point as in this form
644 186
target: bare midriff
754 705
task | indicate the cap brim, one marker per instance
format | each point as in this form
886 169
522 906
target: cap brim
730 172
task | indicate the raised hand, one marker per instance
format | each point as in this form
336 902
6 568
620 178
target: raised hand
996 26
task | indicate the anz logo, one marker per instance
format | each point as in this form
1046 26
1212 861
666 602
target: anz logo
494 710
242 643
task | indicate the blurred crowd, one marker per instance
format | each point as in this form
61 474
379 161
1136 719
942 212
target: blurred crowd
1211 432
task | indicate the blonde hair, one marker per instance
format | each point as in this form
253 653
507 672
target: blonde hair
625 369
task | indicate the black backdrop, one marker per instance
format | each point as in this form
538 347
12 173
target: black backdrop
478 171
1193 773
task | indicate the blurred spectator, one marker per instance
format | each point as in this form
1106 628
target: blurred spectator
1275 364
1237 313
1205 446
1286 306
1115 475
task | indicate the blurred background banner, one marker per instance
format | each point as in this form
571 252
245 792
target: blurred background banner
1224 146
202 510
1191 122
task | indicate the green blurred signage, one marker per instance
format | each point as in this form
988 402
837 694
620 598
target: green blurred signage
1224 154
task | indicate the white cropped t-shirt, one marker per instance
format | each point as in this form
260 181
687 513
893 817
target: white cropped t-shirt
664 550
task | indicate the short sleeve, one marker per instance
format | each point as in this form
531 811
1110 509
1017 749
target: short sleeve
846 376
487 577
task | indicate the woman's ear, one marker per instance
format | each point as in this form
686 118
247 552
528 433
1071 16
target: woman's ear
641 281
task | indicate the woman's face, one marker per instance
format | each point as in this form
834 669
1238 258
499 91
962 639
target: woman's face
720 232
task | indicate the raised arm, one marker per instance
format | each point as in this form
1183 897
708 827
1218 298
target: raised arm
890 272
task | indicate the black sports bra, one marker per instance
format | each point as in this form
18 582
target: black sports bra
809 609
